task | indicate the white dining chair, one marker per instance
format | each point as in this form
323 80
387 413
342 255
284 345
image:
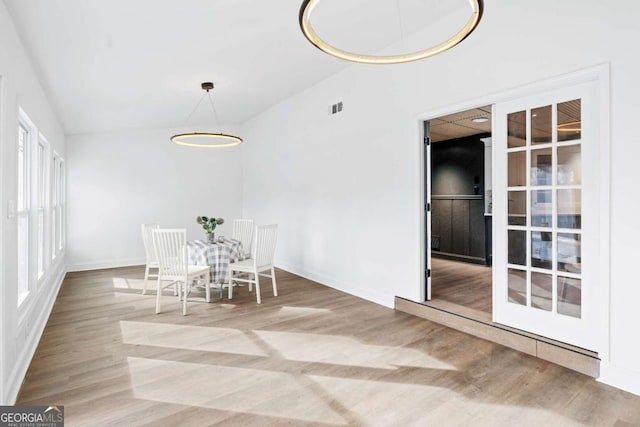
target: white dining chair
150 253
171 248
262 255
243 231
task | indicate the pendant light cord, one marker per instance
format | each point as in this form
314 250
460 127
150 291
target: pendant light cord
194 110
215 113
213 108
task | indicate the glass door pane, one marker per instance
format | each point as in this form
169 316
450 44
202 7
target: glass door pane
544 208
570 120
546 213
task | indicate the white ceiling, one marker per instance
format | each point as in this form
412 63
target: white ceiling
122 64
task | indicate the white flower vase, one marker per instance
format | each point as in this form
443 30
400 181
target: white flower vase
211 237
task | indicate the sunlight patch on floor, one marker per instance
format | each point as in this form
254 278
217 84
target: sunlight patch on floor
346 351
293 312
137 284
227 305
379 403
185 337
250 391
123 283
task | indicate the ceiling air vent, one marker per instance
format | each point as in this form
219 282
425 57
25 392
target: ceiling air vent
336 108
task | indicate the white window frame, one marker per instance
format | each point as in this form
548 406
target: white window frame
58 212
24 211
42 206
62 198
3 289
54 205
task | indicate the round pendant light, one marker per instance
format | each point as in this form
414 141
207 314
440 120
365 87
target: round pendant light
304 19
206 139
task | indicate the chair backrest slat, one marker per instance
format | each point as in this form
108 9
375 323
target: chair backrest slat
243 231
171 248
264 246
147 240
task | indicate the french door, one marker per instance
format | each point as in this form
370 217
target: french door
427 209
545 202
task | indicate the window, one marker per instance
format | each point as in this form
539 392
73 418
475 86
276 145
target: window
58 208
54 206
33 212
41 200
23 209
62 196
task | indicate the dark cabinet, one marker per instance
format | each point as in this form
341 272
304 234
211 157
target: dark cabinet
488 239
457 205
458 227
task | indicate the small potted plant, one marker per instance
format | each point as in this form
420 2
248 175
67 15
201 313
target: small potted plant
209 225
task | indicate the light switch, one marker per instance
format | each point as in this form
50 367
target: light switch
11 209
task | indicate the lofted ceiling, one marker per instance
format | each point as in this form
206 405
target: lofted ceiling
122 64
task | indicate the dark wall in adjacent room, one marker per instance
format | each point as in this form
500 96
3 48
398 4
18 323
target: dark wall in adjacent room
457 189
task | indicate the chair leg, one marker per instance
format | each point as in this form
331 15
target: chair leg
146 277
230 276
206 287
158 293
257 276
250 276
185 292
273 279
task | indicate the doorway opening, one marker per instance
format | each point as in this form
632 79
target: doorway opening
548 206
459 176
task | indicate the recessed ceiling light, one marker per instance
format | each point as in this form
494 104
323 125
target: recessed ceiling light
480 120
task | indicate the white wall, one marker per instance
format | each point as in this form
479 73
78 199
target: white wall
345 189
20 330
121 180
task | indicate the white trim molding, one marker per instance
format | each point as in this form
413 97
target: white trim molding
386 300
114 263
24 359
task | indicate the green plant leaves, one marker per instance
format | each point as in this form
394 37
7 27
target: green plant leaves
209 224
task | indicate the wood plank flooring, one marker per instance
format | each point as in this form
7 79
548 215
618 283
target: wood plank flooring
461 286
311 356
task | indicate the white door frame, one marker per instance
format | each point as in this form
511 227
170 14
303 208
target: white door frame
426 218
599 73
3 298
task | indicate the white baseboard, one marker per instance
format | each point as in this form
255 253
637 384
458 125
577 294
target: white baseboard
115 263
621 378
332 282
24 359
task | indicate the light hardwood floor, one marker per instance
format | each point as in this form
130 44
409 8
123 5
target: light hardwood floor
311 356
462 287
